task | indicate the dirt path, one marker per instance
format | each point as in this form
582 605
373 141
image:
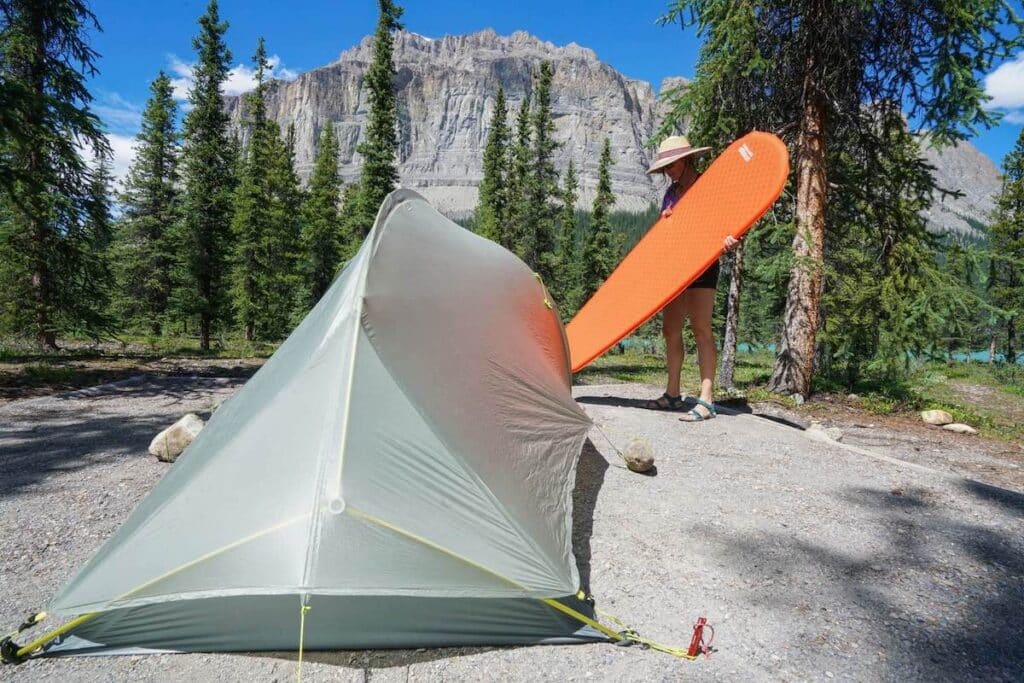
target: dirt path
813 560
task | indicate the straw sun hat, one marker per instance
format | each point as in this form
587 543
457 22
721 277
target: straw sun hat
672 149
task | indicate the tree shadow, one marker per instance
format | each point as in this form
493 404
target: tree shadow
974 628
1010 501
64 375
50 436
590 473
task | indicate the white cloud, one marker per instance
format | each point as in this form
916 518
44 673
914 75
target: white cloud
123 148
1005 85
1015 117
117 113
183 72
241 78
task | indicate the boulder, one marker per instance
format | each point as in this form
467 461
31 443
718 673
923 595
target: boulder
169 444
639 456
960 428
936 417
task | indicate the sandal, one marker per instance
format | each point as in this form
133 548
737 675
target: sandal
665 402
694 415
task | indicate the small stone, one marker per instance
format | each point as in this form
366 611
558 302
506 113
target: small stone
797 399
639 455
960 428
936 417
169 444
852 397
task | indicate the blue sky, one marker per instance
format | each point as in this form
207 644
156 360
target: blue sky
141 37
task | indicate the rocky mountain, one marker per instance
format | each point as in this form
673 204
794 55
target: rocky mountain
446 90
963 169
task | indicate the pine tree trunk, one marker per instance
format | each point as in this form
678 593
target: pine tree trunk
204 331
732 315
1011 338
992 348
794 365
41 287
250 331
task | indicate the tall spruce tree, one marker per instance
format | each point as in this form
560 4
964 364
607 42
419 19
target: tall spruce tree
322 234
379 149
252 219
542 183
517 236
282 243
492 208
887 298
817 63
566 283
1006 237
208 172
603 247
49 193
144 249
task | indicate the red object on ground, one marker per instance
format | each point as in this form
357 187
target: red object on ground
697 645
736 190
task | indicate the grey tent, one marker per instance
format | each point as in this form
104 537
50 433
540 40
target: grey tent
402 467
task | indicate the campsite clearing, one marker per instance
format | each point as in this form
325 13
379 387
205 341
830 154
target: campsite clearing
809 558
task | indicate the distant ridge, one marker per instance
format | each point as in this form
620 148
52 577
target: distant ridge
446 90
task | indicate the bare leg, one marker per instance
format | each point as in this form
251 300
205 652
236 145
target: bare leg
672 329
699 306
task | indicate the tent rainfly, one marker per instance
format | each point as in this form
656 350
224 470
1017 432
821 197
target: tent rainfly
398 474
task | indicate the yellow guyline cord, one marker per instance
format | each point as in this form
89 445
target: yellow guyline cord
302 638
78 621
627 634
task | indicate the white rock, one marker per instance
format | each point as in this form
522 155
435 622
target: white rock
960 428
639 455
168 444
797 398
936 417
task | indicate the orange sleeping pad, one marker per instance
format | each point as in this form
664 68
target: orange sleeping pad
735 191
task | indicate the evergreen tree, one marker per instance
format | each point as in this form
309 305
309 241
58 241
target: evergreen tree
322 232
208 165
965 333
816 64
144 249
51 207
252 218
603 248
516 235
887 297
282 245
566 285
538 249
492 209
87 311
1006 236
379 174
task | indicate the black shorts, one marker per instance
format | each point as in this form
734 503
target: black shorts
708 279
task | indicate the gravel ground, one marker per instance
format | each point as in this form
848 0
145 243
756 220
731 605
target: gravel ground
813 560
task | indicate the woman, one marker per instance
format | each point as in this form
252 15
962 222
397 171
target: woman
675 159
